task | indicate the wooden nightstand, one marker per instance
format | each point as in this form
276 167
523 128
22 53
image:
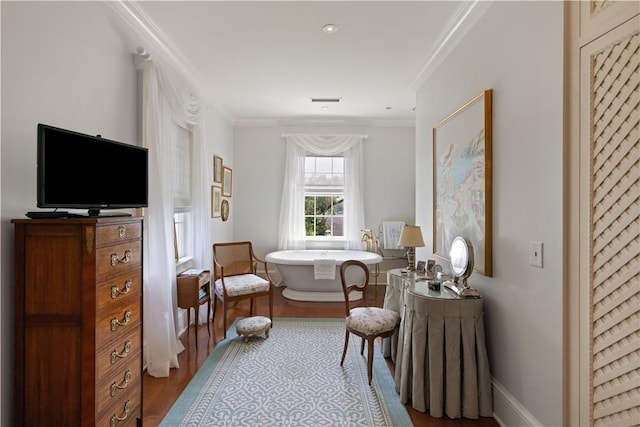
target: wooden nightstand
193 291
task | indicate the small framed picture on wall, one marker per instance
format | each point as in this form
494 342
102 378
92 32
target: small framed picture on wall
226 182
217 169
216 201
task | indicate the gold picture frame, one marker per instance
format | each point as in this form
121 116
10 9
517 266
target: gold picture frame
217 169
462 170
216 201
227 177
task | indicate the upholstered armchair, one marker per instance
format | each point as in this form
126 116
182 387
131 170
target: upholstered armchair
235 277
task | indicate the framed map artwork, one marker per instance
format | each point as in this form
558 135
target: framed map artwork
462 180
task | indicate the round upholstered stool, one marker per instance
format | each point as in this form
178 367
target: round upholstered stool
255 325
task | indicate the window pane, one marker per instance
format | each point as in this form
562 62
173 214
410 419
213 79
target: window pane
324 165
182 222
323 205
309 205
322 227
338 165
309 226
324 196
310 165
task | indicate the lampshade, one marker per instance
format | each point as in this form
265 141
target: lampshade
411 237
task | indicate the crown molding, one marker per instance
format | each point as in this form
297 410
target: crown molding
462 20
306 121
162 47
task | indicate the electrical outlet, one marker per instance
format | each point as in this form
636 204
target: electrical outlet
535 253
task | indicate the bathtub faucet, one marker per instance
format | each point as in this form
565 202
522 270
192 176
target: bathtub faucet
370 242
372 245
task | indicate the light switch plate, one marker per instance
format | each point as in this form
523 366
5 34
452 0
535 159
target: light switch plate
535 254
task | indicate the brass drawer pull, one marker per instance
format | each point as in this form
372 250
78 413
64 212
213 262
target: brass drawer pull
114 418
125 259
125 290
125 352
125 382
121 232
115 322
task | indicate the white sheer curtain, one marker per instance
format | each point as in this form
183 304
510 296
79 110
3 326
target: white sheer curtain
167 100
292 230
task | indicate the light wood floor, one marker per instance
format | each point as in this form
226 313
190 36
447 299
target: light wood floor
159 394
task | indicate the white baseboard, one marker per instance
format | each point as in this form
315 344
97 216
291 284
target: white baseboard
507 411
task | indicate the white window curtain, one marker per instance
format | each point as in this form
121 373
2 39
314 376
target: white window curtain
292 231
167 100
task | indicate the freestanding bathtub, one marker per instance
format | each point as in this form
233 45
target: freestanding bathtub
296 268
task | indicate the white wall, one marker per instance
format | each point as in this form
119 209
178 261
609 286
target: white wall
219 139
68 64
62 64
509 51
259 158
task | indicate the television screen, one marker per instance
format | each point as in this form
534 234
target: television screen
81 171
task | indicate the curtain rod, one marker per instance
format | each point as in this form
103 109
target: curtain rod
141 56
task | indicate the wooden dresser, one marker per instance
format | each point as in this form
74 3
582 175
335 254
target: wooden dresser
78 322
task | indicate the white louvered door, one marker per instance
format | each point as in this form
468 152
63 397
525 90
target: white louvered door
609 200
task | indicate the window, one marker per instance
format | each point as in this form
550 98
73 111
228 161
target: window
324 197
182 188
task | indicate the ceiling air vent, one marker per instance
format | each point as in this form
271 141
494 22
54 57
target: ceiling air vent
325 99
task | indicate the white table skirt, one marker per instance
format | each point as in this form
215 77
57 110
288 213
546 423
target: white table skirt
393 300
441 361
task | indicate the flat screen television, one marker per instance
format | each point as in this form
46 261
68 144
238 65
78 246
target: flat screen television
78 171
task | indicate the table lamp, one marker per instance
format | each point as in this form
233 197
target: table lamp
411 238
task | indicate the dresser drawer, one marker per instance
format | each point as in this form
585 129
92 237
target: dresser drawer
123 412
116 385
119 291
115 259
111 357
119 321
118 233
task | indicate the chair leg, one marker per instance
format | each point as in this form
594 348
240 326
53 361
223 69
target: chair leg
208 315
271 307
362 346
370 359
346 344
224 318
215 301
251 307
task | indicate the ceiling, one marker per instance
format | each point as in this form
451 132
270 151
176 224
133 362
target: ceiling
265 60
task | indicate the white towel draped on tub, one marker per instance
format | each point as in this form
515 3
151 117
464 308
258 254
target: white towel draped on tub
324 269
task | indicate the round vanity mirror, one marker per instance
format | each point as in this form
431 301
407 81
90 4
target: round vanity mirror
461 255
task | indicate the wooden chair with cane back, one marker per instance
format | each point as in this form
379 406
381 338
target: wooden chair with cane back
235 277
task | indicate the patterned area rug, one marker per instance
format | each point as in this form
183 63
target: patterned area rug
293 378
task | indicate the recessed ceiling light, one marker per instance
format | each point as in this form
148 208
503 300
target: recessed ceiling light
330 28
387 108
324 107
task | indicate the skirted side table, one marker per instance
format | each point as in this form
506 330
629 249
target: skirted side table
441 359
